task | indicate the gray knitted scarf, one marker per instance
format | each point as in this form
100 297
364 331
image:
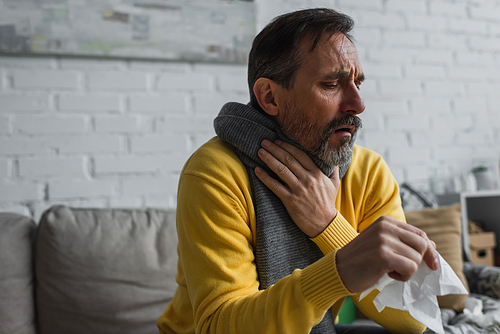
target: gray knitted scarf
281 247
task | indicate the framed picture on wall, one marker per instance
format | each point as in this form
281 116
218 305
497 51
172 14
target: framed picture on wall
187 30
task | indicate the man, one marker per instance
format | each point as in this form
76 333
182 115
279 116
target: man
281 217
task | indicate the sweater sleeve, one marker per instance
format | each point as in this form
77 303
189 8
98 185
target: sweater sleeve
379 194
396 321
384 199
216 255
336 235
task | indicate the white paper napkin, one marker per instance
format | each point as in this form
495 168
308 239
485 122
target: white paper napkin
418 294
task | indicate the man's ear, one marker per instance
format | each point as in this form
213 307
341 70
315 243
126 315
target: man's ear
265 91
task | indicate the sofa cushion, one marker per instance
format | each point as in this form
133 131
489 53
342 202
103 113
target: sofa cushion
443 226
104 270
17 302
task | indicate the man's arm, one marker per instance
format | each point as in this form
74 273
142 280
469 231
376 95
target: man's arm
216 256
387 246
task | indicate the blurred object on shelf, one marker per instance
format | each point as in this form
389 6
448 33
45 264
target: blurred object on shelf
482 244
439 180
482 247
464 182
486 177
475 227
470 182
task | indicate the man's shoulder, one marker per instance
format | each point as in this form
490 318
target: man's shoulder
365 156
216 158
367 165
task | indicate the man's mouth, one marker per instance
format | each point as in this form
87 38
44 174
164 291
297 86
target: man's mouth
345 130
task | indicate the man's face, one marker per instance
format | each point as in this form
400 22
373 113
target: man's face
319 111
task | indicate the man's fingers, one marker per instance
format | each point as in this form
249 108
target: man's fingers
403 268
282 170
414 241
418 239
308 195
431 258
298 154
285 156
277 188
408 252
386 246
335 177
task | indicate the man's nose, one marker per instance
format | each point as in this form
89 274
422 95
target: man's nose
352 101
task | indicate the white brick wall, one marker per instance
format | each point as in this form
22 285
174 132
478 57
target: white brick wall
160 143
4 168
53 124
117 81
107 132
35 168
23 101
89 102
159 103
45 79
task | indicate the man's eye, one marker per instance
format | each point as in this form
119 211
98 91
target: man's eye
331 84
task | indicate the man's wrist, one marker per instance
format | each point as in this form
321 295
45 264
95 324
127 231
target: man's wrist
336 235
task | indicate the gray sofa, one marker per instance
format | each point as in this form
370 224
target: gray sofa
86 270
106 271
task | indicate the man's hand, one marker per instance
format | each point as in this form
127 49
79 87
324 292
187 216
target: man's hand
309 196
387 246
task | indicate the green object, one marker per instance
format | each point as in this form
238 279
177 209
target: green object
479 169
347 312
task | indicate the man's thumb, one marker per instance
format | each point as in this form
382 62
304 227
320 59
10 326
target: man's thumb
335 178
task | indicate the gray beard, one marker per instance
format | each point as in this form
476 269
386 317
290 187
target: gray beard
305 134
336 157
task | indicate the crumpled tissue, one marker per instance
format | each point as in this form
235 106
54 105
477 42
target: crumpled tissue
474 312
418 294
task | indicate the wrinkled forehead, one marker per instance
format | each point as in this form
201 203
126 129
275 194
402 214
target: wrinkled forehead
336 48
344 49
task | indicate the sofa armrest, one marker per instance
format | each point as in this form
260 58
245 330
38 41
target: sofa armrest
17 300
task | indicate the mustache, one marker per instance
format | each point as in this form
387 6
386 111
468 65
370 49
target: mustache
345 119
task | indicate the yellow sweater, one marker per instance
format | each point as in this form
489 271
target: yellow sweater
218 288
